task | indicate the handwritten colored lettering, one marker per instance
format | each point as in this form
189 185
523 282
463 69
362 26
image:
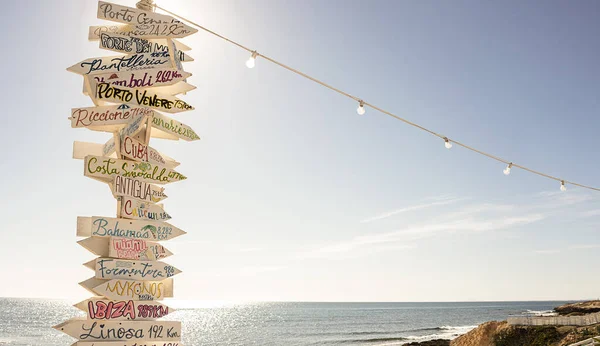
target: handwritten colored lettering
136 290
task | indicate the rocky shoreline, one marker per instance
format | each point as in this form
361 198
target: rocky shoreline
500 333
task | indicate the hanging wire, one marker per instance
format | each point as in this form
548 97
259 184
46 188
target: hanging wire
357 99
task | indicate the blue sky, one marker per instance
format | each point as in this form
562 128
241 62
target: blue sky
293 196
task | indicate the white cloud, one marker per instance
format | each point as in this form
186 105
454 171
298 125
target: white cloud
547 252
440 200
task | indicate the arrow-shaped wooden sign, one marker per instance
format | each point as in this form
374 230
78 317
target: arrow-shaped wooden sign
110 268
120 63
171 126
99 226
130 289
135 45
147 24
95 32
125 248
138 151
101 309
116 94
129 343
135 188
87 330
106 169
139 210
167 81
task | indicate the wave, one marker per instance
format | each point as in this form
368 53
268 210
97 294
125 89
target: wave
539 313
392 338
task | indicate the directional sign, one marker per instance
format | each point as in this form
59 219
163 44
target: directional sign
130 187
141 97
130 343
135 45
171 126
125 248
147 78
130 289
121 63
110 268
112 117
140 210
99 226
83 149
106 168
87 330
95 32
119 310
147 24
138 151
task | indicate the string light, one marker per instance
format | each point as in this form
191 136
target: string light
562 186
447 143
507 169
251 62
361 108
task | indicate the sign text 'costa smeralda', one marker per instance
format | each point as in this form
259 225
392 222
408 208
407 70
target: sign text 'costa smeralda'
119 310
118 289
107 168
125 248
99 226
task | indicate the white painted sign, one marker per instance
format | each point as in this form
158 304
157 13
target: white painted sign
139 210
95 32
135 45
146 24
141 97
87 330
130 289
107 118
101 309
83 149
156 78
110 268
125 248
130 343
99 226
138 151
135 188
121 63
106 169
174 127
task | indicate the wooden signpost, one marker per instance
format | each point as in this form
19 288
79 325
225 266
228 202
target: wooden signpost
140 210
91 330
130 289
99 226
125 248
127 93
110 268
134 45
101 309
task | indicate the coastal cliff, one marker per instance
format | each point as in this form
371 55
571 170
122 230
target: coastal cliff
496 333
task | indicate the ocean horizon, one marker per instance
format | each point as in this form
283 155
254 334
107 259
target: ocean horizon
29 321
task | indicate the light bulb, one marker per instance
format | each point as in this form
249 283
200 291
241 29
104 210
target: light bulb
447 143
251 62
360 110
507 169
562 186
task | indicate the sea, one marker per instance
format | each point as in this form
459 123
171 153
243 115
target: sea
28 322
